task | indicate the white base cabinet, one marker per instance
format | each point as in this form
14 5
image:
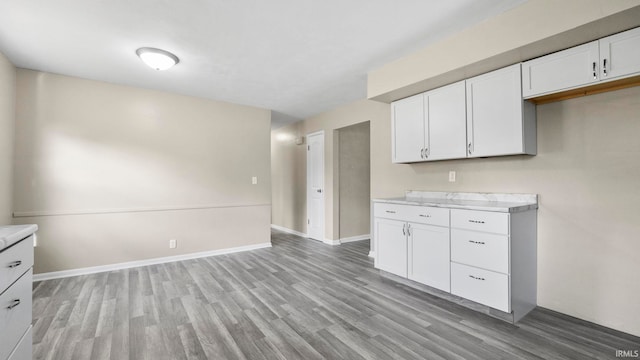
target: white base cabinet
488 257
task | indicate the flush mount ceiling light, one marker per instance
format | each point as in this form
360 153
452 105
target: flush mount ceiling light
156 58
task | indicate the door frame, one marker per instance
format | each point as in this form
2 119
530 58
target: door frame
308 188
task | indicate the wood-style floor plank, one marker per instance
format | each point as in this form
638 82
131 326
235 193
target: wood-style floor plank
300 299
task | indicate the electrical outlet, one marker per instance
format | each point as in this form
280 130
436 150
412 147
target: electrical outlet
254 180
173 243
452 176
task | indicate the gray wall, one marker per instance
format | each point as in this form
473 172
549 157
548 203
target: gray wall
110 173
354 180
7 120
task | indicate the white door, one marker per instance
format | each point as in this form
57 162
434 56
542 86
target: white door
315 186
620 54
429 259
494 113
391 246
447 122
408 129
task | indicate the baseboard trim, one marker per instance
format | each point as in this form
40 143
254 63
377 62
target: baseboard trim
287 230
372 254
355 238
331 242
146 262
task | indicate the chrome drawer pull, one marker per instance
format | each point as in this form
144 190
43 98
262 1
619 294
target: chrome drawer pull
476 221
13 304
475 277
425 216
15 264
390 212
477 242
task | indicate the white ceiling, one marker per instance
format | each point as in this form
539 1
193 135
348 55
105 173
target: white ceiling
295 57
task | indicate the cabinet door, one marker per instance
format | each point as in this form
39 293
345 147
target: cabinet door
429 255
446 127
620 54
563 70
391 246
408 129
494 113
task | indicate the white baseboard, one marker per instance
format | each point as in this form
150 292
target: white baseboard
331 242
139 263
355 238
287 230
372 254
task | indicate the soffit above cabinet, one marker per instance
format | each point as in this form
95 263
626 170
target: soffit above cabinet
514 36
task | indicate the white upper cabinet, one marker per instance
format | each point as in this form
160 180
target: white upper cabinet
620 54
446 122
611 58
408 129
430 126
499 122
565 69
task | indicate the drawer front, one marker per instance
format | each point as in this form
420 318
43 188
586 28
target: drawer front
487 221
482 286
15 261
428 215
391 211
483 250
15 313
24 350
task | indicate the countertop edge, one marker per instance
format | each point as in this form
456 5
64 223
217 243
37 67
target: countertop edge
494 208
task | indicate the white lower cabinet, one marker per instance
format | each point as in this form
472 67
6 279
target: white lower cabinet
391 255
429 255
488 257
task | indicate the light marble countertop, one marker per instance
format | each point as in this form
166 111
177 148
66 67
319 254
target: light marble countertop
11 234
509 203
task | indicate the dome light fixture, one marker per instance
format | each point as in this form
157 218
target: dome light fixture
156 58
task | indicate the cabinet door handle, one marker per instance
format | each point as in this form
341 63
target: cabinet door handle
477 242
15 264
422 153
476 221
476 277
404 229
595 75
604 67
469 148
424 216
13 304
426 153
409 230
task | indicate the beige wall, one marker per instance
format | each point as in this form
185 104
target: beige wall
535 28
586 173
354 192
115 172
7 117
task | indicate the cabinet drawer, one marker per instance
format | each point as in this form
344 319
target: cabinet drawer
487 251
428 215
15 261
487 221
482 286
15 313
391 211
24 350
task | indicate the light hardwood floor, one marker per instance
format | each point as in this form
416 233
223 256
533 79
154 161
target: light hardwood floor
300 299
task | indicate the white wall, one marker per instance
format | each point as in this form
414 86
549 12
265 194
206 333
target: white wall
113 172
7 119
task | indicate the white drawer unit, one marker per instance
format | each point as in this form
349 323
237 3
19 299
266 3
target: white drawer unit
485 287
486 221
15 313
16 281
486 251
488 257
